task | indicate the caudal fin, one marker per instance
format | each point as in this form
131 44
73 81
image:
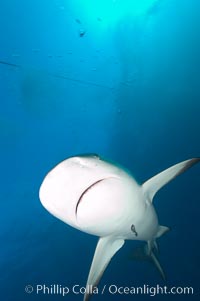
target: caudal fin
151 186
149 250
158 266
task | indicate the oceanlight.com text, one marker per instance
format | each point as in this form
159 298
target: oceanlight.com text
62 290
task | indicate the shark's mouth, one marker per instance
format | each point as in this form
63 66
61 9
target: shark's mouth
85 192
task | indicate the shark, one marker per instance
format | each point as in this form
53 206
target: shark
103 198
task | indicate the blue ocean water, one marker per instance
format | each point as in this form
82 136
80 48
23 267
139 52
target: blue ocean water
79 78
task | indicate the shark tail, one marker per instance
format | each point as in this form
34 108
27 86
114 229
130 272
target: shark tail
152 246
158 266
149 250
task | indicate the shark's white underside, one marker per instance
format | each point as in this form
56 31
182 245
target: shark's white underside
103 199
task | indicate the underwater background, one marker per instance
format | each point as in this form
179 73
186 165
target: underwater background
117 78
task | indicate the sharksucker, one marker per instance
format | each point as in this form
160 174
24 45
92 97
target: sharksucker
110 200
134 230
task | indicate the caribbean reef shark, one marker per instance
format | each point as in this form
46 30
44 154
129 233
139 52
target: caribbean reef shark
103 199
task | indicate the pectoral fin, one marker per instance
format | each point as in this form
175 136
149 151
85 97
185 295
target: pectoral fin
151 186
105 250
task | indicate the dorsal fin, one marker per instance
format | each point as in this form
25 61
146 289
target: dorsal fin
151 186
